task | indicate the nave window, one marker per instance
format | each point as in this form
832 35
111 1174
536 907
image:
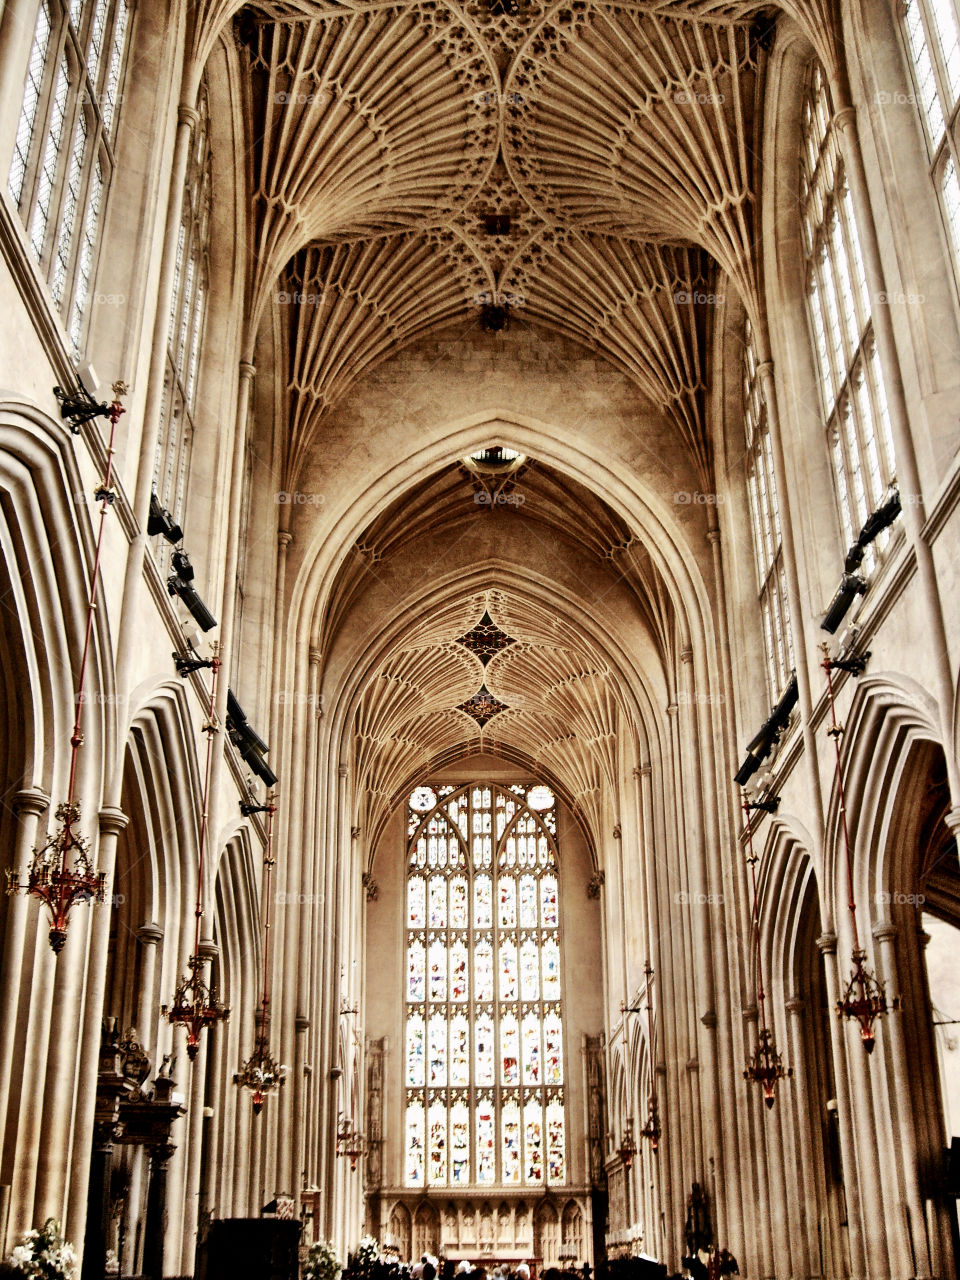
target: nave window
63 156
851 379
483 1067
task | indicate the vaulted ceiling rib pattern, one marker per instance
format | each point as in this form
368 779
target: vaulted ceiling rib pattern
563 707
364 123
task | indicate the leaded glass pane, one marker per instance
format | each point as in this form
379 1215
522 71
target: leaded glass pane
472 1047
416 903
841 320
415 1145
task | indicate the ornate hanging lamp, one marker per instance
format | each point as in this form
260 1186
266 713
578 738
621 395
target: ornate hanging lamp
864 999
651 1130
628 1148
261 1073
765 1066
196 1004
351 1142
61 873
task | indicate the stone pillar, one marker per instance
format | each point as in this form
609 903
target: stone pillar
112 822
904 1147
28 806
827 946
156 1227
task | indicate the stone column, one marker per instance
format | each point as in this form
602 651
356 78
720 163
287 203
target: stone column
801 1104
904 1148
209 951
827 946
28 806
112 822
156 1228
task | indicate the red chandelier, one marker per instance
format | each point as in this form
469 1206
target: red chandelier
651 1130
61 872
765 1066
628 1148
196 1004
864 999
261 1073
350 1141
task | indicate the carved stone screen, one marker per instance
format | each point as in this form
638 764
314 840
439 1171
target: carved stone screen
483 1064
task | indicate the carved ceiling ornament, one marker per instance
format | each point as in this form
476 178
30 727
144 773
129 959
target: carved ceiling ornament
552 701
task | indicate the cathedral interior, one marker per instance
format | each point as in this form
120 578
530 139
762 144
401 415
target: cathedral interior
479 659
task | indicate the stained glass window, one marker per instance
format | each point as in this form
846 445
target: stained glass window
839 304
484 1028
765 521
932 31
188 309
63 154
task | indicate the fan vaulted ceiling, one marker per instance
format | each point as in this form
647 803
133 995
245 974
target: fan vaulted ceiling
590 166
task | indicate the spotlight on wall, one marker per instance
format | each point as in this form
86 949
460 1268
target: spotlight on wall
177 586
851 586
882 518
788 700
248 742
182 566
161 521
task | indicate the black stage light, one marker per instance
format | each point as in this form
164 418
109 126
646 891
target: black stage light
161 521
198 610
182 566
851 586
880 519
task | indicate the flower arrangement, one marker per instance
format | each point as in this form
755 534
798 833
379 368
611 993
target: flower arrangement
44 1254
322 1262
367 1253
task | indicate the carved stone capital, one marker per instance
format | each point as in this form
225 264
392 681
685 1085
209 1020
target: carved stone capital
827 944
150 934
112 821
31 801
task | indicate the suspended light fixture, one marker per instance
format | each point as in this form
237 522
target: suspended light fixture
61 873
651 1130
628 1148
261 1073
765 1066
350 1141
864 999
196 1003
